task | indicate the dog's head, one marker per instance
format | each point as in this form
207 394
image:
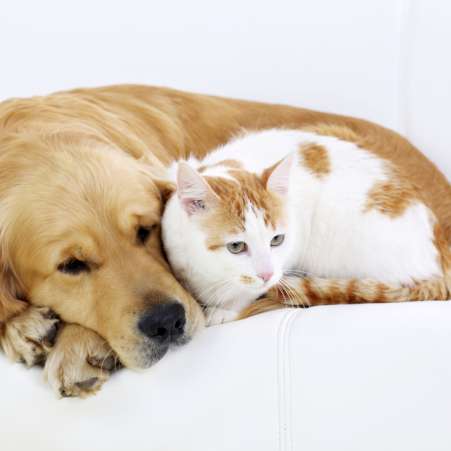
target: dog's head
80 225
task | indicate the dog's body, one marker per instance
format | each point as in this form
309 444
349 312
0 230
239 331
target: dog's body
80 198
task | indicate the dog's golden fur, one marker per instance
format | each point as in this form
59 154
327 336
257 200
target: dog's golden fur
79 172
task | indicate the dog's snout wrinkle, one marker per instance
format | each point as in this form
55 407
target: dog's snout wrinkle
164 323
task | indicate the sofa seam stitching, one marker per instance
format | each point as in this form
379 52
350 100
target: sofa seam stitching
283 379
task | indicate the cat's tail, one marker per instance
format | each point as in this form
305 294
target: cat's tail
311 291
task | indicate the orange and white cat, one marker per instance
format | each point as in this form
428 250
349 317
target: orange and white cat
310 219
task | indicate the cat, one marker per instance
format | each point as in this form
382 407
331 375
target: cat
300 218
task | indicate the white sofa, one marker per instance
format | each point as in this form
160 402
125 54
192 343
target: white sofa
349 378
373 377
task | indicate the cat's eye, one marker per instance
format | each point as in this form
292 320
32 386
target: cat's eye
73 266
237 247
277 240
143 234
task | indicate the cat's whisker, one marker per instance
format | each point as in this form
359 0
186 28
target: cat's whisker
211 288
220 292
298 272
288 277
291 294
214 302
212 309
291 274
205 293
297 299
285 293
288 291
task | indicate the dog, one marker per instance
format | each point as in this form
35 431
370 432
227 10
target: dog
81 196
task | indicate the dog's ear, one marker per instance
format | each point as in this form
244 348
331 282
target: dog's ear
10 302
165 187
157 174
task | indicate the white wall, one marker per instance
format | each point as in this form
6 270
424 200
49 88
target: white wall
386 61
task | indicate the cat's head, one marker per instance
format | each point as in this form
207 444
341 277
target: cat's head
226 230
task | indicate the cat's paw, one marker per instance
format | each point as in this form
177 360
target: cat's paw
29 337
80 363
216 316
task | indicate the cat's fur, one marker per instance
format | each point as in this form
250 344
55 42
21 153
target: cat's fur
355 229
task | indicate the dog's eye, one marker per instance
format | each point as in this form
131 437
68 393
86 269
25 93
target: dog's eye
73 266
143 234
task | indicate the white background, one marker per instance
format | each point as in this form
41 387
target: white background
344 378
386 60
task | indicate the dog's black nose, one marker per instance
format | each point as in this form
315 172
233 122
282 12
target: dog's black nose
163 322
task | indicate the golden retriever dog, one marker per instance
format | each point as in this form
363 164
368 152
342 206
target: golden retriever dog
81 196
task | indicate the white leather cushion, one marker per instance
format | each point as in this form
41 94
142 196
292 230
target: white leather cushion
363 377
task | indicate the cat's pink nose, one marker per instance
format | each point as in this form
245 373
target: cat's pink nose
265 276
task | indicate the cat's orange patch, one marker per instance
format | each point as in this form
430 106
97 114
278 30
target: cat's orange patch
338 131
318 291
246 279
213 246
381 290
237 196
234 198
351 288
232 164
310 292
391 197
315 158
443 248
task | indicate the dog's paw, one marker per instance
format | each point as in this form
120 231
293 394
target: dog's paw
216 316
30 336
80 363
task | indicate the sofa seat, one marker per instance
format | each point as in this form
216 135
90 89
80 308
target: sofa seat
350 378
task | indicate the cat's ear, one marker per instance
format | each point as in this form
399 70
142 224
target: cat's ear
194 192
279 179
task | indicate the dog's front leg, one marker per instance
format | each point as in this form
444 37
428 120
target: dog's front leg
29 336
80 362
